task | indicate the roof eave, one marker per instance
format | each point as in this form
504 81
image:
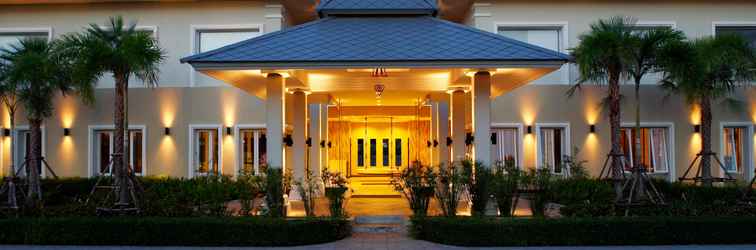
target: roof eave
200 66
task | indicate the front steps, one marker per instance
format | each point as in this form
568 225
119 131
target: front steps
379 224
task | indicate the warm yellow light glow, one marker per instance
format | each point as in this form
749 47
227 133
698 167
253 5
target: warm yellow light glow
67 109
590 150
529 107
167 153
67 156
370 70
529 150
229 102
282 74
319 82
695 114
168 107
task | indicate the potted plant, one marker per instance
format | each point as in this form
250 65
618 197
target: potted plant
335 190
417 184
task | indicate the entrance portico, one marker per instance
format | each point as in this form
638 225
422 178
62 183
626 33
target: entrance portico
420 86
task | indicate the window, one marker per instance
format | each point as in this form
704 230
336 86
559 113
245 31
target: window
747 31
22 144
8 37
253 150
552 148
398 152
206 146
507 145
207 38
360 152
734 152
103 148
385 152
373 152
545 36
654 151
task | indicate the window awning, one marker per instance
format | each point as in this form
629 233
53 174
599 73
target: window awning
378 41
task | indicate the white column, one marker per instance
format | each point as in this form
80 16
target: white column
443 131
458 124
299 133
482 117
316 135
274 114
434 133
324 136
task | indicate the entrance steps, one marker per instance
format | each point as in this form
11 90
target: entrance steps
379 224
373 187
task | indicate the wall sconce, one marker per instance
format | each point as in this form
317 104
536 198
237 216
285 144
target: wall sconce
322 144
493 138
167 131
428 143
66 131
449 141
329 144
530 129
6 132
308 141
697 128
469 139
592 128
288 141
435 143
229 131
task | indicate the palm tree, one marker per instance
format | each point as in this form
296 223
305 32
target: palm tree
644 53
706 70
123 51
35 72
603 57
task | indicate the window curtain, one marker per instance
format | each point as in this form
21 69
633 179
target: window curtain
659 150
733 155
547 150
506 146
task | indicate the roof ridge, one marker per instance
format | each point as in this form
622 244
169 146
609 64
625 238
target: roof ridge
493 35
432 4
255 39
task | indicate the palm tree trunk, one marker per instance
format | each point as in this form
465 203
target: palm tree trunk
640 189
34 194
119 168
706 117
614 123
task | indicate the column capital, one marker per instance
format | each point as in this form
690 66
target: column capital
306 91
452 89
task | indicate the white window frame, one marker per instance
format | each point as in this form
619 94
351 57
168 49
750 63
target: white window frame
520 135
748 168
716 24
194 39
237 146
565 126
17 151
190 155
91 142
46 29
564 44
670 126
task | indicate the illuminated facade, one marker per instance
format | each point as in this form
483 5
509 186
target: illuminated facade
366 118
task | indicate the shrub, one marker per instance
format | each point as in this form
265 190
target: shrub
335 190
506 181
479 186
481 232
274 192
417 184
449 187
308 189
206 231
540 182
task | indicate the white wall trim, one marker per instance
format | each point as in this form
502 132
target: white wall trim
564 44
237 142
16 153
672 168
567 135
748 168
194 39
43 29
716 24
190 142
90 146
520 135
656 23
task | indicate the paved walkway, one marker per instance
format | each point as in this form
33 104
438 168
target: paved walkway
383 242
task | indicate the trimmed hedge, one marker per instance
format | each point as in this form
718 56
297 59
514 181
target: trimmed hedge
205 231
585 231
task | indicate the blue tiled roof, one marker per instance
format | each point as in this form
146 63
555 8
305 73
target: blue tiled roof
344 41
327 7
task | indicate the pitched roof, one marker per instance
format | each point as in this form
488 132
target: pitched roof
377 41
331 7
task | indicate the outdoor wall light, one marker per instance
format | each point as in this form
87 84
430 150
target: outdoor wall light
493 138
229 130
167 131
592 128
6 132
530 129
66 131
697 128
449 141
469 139
322 144
308 141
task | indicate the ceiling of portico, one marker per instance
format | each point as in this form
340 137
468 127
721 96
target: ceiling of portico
356 87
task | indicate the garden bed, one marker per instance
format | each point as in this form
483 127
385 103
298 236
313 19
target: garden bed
206 231
585 231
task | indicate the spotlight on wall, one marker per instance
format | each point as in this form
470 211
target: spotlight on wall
66 131
229 130
530 129
167 131
449 141
697 128
6 132
592 128
435 143
493 138
308 141
322 144
469 139
428 143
